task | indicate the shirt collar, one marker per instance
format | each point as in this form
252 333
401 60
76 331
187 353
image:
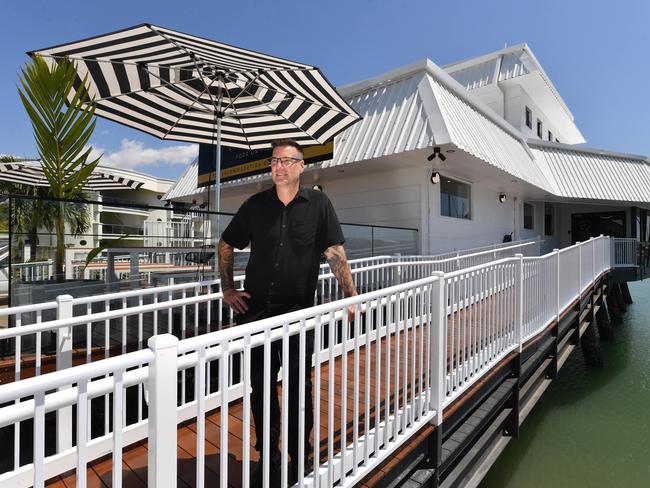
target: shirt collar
302 193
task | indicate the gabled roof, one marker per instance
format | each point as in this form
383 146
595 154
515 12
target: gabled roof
454 116
186 185
519 64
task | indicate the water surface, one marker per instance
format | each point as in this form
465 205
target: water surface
592 427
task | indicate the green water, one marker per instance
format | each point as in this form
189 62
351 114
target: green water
592 427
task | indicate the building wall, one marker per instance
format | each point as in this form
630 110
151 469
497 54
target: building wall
516 99
405 197
490 219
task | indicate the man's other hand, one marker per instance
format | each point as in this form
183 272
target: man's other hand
235 300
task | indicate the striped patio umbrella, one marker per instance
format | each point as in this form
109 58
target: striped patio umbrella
181 87
31 173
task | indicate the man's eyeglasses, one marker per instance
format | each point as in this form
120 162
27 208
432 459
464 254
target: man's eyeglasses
285 162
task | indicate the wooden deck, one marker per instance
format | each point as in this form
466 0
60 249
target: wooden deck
134 467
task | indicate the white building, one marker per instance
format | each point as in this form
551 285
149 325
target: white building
510 161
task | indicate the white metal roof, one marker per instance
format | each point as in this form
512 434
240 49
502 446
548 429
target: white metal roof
592 173
394 120
505 65
473 130
518 63
186 185
420 105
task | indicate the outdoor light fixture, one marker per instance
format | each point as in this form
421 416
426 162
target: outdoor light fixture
317 187
435 178
437 153
502 197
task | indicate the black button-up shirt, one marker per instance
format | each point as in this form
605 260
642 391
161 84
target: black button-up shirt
286 245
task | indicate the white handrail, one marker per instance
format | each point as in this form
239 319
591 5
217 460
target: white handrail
492 309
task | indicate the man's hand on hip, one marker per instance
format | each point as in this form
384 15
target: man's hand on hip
235 300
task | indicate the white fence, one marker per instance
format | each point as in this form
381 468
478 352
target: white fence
624 251
33 271
430 339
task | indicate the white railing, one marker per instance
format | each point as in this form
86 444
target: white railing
431 339
33 271
170 234
624 251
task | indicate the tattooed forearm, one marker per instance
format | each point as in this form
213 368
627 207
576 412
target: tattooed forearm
226 260
339 265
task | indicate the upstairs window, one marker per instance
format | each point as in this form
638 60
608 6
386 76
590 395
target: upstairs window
550 136
529 212
454 199
540 130
529 118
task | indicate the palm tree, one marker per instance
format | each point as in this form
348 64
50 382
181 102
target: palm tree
62 118
28 215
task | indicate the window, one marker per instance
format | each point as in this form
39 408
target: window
539 128
550 136
529 118
529 211
454 199
549 210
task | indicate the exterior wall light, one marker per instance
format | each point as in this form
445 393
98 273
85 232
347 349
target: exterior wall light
435 178
502 197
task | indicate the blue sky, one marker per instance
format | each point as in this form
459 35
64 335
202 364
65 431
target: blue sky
597 53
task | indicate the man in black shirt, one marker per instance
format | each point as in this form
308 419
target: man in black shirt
288 228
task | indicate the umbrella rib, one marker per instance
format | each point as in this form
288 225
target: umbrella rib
175 89
180 117
246 85
291 122
142 90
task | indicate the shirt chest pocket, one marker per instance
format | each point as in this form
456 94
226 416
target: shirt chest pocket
303 234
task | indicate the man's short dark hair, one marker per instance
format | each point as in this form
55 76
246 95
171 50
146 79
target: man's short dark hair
288 143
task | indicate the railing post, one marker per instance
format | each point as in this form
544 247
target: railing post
438 325
519 300
557 283
162 411
63 361
397 270
579 244
593 259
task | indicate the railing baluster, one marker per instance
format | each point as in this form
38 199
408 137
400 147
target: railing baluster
118 424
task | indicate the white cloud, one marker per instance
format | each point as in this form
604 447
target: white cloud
133 155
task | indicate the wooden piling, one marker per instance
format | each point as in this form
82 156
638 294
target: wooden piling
618 296
605 330
625 291
615 314
591 351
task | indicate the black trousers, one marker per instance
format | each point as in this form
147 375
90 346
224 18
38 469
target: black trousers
257 394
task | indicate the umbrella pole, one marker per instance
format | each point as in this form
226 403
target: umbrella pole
217 183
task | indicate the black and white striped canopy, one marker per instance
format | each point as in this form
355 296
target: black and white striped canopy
174 86
31 173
